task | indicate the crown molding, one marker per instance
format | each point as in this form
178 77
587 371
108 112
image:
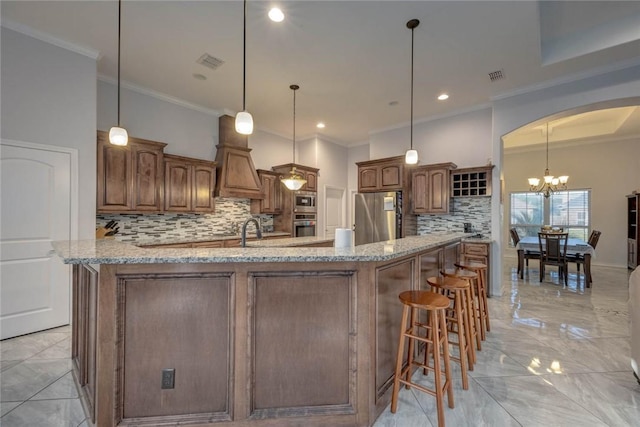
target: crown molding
160 96
48 38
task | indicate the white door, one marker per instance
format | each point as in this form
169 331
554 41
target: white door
35 210
334 210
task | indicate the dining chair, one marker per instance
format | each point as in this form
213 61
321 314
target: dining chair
579 258
553 250
528 254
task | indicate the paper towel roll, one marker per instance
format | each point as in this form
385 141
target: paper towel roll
344 238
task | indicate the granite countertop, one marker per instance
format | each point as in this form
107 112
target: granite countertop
290 242
477 240
114 252
169 240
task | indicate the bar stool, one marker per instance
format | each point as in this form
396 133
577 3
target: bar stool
472 279
483 306
436 335
458 318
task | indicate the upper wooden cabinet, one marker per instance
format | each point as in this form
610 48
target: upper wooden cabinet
189 184
430 188
381 175
469 182
307 172
272 202
129 178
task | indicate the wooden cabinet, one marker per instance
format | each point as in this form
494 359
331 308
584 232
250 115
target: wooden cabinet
430 188
129 179
272 188
84 338
469 182
381 175
307 172
189 184
633 232
479 252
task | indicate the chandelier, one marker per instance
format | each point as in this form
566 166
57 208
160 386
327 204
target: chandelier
549 183
294 181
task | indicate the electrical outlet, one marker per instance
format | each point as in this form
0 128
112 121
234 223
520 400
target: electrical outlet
168 378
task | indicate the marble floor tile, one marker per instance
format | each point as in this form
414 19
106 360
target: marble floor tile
64 388
23 381
46 413
27 346
409 413
59 350
533 401
6 364
5 407
597 354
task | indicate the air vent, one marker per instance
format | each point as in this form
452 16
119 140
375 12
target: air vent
496 75
210 61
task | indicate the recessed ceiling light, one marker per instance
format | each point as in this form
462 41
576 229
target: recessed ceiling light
199 76
276 15
320 125
443 96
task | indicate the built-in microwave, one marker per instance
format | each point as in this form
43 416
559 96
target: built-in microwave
304 201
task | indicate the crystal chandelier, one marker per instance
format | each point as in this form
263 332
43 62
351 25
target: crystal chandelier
549 183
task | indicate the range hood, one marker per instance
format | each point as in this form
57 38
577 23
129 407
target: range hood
235 173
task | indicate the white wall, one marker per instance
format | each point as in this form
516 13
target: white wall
610 169
49 97
189 132
464 139
269 150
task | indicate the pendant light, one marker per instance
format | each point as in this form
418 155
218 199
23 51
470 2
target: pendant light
118 135
411 157
244 121
294 181
550 183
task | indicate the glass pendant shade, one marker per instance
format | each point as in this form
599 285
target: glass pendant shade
244 123
411 157
294 181
534 181
118 136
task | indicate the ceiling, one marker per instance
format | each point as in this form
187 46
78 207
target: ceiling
351 58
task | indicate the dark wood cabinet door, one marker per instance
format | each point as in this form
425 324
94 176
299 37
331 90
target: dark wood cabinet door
148 176
419 180
312 181
114 192
204 184
272 189
438 194
177 186
391 177
368 178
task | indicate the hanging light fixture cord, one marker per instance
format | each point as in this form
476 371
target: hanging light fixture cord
294 88
119 30
411 131
244 57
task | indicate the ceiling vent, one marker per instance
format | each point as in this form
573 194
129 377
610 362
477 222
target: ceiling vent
496 75
210 61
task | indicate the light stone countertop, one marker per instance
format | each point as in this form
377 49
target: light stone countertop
169 239
287 242
114 252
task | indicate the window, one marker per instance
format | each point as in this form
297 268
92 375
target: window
569 210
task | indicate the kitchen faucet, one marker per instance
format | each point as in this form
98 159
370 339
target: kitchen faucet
243 241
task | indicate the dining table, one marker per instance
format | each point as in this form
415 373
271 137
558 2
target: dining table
574 246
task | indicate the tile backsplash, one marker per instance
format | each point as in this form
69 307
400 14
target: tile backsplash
476 210
140 227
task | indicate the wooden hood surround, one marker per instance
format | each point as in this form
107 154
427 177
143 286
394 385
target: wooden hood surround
236 175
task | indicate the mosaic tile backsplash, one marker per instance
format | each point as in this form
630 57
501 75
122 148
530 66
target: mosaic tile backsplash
476 210
228 218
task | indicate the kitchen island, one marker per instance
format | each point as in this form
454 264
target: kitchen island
264 336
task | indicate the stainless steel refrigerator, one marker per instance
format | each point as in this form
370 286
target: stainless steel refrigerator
378 217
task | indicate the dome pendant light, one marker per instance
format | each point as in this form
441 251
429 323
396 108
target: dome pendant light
411 157
244 121
294 181
118 135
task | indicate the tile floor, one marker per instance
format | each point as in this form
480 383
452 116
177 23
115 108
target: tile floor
555 356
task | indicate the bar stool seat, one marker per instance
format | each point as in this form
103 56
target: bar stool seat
434 335
472 278
458 318
483 305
